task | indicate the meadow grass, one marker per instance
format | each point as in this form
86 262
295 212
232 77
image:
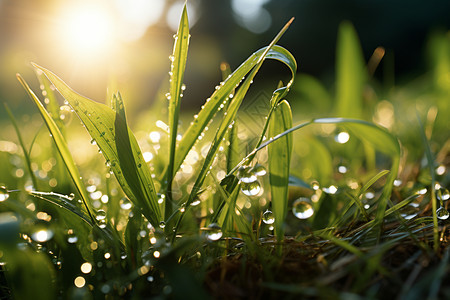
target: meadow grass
331 207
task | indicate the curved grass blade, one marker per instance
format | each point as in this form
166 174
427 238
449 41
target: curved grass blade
279 162
372 181
178 58
63 149
224 92
64 202
22 145
118 145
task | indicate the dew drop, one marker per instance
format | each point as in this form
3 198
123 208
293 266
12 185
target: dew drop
72 238
342 137
259 170
302 209
93 142
42 234
330 190
162 224
126 204
442 194
195 202
213 232
101 215
442 213
171 58
268 217
65 114
251 189
410 211
71 196
3 194
246 174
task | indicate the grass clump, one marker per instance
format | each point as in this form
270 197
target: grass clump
332 207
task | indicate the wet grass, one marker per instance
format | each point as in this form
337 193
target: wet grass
351 204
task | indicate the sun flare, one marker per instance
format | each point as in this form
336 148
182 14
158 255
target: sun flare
88 29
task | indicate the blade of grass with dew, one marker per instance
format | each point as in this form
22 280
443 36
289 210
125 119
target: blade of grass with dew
22 145
350 73
279 159
227 216
229 117
222 93
177 68
51 103
64 202
430 161
52 106
118 145
232 149
76 218
63 149
117 106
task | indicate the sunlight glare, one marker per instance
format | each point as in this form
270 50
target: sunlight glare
88 29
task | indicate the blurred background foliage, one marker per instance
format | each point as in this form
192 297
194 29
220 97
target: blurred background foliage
131 53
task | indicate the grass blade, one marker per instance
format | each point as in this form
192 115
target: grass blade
372 181
118 146
350 73
22 145
178 58
430 161
63 149
279 162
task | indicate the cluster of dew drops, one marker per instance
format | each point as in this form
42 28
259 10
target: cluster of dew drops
251 186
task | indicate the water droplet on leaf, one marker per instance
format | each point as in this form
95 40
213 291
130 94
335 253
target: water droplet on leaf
251 189
246 174
442 194
213 232
442 213
3 193
101 215
268 217
302 209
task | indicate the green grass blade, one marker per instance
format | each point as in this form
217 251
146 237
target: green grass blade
279 162
22 145
430 161
52 104
232 150
66 203
177 68
118 107
63 149
223 92
350 73
118 146
372 181
342 243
